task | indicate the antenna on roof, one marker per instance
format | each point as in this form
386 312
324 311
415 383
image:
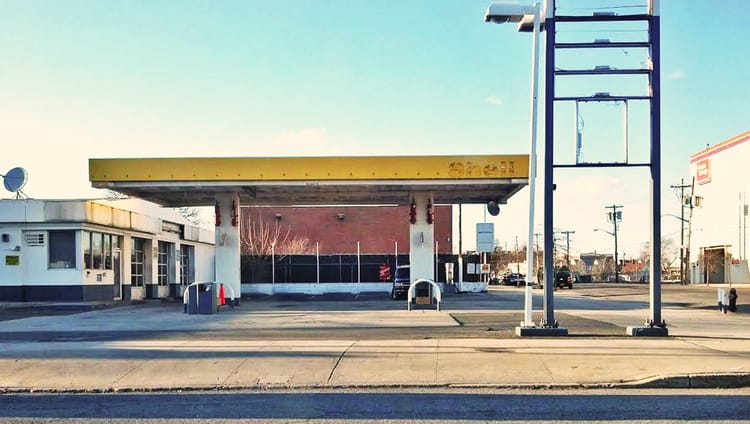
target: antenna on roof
14 180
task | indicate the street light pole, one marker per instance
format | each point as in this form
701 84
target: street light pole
500 13
527 317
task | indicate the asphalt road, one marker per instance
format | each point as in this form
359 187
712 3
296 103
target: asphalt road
393 406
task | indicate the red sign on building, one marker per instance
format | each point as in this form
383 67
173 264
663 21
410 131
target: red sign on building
703 171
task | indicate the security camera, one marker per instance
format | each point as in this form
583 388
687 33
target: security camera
493 208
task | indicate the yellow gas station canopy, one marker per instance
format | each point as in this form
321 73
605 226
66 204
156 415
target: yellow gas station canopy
356 180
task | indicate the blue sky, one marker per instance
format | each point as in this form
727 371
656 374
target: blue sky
82 79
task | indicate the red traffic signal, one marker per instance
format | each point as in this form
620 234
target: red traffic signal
413 213
430 213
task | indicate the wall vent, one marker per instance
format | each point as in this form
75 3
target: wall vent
34 239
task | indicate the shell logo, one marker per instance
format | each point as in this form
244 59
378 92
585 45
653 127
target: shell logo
470 169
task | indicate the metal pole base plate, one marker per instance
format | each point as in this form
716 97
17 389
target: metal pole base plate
647 331
541 331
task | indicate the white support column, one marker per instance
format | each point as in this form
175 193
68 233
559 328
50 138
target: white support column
421 241
126 276
228 243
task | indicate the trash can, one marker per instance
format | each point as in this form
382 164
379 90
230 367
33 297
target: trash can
202 299
733 300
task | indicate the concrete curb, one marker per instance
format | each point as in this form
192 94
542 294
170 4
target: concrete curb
696 381
686 381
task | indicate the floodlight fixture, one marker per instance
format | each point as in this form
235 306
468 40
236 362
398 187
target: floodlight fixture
503 12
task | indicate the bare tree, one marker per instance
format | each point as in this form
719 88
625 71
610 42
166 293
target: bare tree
712 261
501 259
668 254
261 238
193 215
111 194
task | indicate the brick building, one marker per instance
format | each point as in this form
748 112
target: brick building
337 229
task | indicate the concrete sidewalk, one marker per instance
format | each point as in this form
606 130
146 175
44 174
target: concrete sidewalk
185 364
705 349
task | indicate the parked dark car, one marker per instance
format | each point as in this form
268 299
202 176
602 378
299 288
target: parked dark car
514 279
401 282
564 278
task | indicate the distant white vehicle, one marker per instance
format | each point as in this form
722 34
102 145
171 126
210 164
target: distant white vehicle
622 277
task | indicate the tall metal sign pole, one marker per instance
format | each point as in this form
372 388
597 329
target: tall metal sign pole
654 326
655 322
549 146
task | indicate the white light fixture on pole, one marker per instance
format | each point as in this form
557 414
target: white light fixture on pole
528 18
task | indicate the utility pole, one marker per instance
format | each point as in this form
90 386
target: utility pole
567 245
615 216
683 264
691 203
554 251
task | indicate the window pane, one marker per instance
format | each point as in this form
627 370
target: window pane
86 241
162 263
62 249
136 262
187 270
96 250
107 251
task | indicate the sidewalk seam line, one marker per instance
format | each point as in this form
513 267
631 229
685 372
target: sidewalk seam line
112 385
437 359
712 349
338 361
231 373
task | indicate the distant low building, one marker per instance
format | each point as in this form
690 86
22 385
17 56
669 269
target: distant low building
595 263
98 250
718 212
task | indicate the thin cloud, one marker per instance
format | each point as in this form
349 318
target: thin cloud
494 100
677 75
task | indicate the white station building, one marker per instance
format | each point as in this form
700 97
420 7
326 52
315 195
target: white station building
719 209
98 250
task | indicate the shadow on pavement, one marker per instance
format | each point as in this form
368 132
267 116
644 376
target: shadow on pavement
498 325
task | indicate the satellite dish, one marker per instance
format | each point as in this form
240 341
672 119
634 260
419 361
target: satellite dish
493 208
15 179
